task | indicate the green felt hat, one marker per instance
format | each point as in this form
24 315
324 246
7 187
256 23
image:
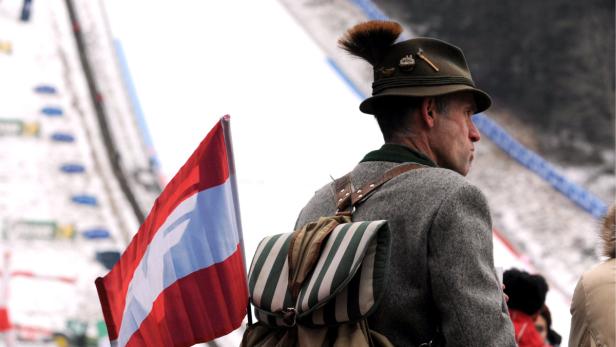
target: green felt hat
422 67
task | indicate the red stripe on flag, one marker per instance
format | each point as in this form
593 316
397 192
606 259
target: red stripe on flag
207 167
213 299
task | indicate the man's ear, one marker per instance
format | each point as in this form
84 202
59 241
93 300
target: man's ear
427 112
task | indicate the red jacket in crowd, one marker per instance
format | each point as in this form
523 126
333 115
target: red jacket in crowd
525 333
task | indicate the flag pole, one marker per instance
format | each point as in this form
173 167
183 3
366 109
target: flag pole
226 128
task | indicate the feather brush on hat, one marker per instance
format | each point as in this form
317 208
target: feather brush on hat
370 40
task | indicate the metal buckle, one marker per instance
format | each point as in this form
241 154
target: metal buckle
289 315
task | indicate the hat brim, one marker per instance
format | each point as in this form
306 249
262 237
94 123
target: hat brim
482 99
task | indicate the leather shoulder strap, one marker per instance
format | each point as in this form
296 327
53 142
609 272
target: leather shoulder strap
347 199
343 190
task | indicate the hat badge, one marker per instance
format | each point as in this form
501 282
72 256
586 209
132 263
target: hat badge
386 72
407 63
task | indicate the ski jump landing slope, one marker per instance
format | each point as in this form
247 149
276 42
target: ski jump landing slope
70 145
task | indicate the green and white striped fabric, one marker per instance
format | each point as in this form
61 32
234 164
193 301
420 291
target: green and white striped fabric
268 279
345 286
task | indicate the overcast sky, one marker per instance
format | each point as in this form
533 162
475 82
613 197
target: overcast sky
196 61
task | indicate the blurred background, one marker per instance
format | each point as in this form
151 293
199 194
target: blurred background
101 102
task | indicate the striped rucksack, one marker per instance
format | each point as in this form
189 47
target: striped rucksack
317 285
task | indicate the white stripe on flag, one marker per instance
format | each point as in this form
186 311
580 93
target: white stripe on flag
198 233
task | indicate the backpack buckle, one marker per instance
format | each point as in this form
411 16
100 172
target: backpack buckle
289 315
345 213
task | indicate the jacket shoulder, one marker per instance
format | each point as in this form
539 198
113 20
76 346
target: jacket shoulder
437 184
600 274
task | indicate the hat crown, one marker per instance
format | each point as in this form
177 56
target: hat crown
424 58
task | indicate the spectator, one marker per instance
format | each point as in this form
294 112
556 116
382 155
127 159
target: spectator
526 297
543 323
594 299
442 285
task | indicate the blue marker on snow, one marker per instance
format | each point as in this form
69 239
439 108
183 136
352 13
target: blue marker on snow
92 234
84 200
62 137
72 168
52 111
45 89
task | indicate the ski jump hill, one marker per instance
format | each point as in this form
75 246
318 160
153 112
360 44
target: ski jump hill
77 173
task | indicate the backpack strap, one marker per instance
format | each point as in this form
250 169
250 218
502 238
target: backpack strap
346 198
342 196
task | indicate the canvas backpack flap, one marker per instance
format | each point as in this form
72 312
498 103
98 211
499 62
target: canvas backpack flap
281 265
349 260
349 278
339 289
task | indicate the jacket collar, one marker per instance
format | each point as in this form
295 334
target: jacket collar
398 154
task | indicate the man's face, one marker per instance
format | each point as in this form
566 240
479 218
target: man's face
454 133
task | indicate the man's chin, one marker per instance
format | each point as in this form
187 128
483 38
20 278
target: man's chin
461 169
469 164
465 169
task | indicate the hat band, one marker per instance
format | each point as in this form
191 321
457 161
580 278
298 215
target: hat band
413 81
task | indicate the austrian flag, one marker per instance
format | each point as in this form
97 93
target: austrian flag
182 280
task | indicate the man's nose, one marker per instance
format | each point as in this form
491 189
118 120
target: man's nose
473 133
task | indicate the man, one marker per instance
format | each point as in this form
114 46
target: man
442 285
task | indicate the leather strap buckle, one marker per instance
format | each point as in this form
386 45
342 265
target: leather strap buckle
347 199
289 316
